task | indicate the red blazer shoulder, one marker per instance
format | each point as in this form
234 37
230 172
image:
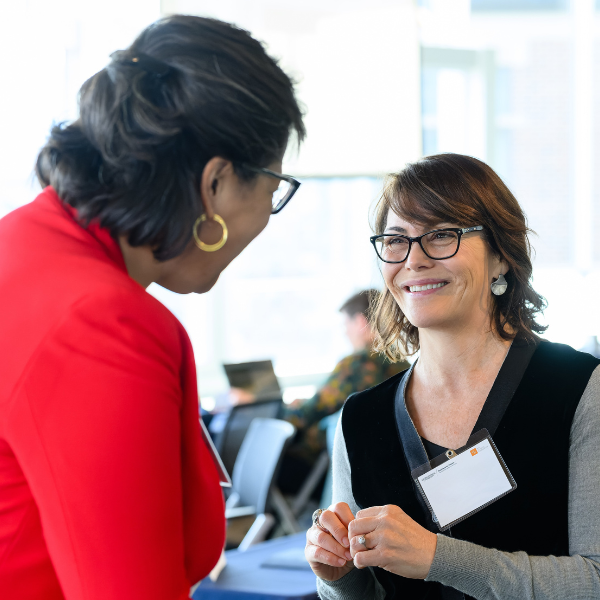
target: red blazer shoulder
58 275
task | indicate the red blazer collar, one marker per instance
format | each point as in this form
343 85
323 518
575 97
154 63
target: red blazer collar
100 234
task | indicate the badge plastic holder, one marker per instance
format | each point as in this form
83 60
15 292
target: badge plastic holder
450 455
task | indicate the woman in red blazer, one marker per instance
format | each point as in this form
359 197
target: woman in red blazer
107 490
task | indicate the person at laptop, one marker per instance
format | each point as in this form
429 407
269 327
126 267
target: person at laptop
360 370
456 260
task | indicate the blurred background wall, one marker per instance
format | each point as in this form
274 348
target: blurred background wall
513 82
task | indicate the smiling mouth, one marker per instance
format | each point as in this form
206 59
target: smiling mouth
428 286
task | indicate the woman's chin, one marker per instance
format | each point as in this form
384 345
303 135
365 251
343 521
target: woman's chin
421 321
424 325
206 286
437 315
189 286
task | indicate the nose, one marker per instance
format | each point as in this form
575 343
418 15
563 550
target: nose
417 259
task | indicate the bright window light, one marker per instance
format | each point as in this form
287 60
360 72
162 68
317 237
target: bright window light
208 403
299 392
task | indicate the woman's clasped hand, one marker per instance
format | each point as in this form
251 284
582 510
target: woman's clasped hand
379 536
328 547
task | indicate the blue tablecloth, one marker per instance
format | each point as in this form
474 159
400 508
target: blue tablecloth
248 576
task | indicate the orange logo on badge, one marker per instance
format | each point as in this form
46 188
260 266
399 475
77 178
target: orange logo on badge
474 452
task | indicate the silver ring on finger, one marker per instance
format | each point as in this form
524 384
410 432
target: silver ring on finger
362 540
315 518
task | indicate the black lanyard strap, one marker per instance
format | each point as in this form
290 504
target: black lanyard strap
409 437
506 384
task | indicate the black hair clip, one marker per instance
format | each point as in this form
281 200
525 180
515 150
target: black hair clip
151 65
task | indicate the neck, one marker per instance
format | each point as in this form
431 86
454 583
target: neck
452 358
140 262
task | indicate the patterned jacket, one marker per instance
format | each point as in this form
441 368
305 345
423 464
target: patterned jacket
354 373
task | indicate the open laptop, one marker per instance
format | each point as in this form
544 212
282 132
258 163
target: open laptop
257 378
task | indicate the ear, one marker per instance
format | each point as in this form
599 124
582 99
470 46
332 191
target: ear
504 268
498 266
211 183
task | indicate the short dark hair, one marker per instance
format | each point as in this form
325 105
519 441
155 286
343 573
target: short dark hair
460 189
362 303
133 159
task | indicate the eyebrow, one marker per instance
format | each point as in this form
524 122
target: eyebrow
403 231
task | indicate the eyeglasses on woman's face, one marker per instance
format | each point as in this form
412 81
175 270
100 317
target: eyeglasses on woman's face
437 244
283 194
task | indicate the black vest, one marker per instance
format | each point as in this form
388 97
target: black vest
532 437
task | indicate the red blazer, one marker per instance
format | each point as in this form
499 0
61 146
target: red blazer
107 490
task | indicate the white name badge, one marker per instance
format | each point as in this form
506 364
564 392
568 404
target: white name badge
459 483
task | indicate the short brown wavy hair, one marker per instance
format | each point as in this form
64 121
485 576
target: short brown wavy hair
460 189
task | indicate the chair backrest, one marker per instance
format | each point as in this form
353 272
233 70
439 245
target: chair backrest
230 440
258 460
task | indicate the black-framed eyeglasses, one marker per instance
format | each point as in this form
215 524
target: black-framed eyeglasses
438 244
288 186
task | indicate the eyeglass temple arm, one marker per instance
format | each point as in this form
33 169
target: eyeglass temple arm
469 229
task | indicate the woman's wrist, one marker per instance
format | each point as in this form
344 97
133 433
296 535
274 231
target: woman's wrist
453 558
430 549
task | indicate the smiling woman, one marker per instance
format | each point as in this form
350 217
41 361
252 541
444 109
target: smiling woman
447 190
455 258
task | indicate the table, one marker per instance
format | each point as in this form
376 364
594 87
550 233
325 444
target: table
247 577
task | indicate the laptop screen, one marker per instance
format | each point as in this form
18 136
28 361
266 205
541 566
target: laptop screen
257 378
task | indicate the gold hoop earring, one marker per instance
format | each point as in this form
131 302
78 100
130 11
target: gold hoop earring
210 247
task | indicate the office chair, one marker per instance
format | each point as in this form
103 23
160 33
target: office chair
255 470
229 441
